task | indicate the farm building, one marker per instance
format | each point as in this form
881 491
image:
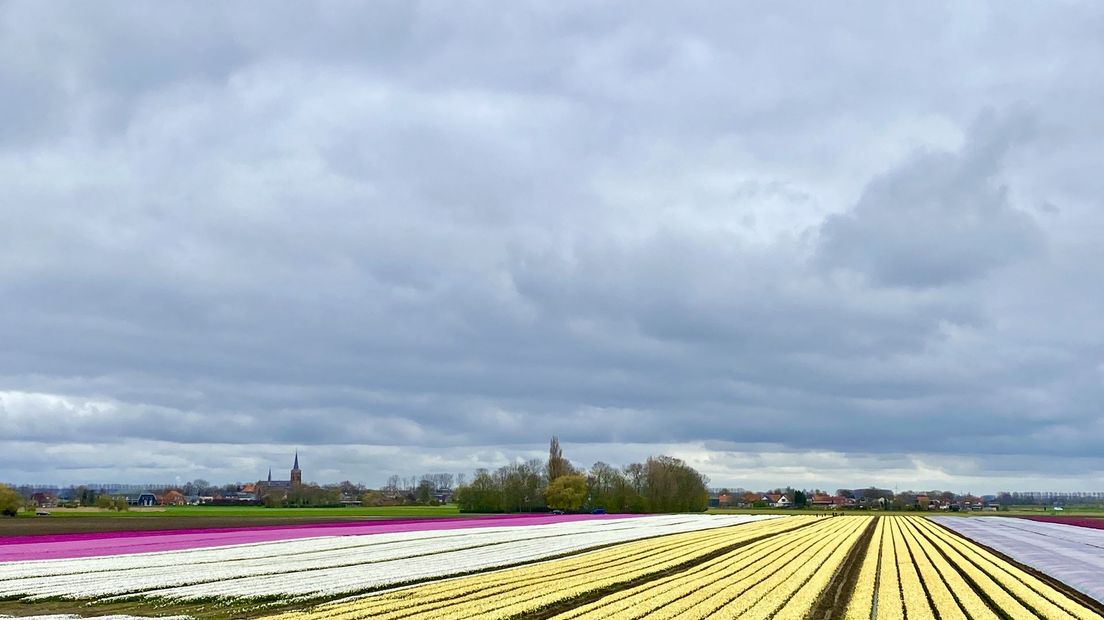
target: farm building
825 501
145 498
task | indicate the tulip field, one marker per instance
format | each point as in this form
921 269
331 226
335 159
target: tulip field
932 573
581 567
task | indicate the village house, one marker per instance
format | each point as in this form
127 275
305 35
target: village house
173 498
717 499
824 501
44 500
775 500
143 499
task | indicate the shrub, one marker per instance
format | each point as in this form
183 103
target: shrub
10 501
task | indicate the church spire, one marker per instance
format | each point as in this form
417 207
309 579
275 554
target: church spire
296 475
270 474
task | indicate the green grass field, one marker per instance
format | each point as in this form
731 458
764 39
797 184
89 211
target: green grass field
254 511
62 521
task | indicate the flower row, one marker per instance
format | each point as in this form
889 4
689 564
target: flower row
532 588
917 569
329 566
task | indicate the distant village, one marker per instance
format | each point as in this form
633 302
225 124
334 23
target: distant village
874 498
440 488
428 489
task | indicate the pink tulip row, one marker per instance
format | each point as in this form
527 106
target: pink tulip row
120 543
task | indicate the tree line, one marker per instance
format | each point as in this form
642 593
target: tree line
659 484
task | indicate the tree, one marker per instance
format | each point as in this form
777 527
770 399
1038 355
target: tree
371 499
636 479
673 486
424 493
799 499
661 484
392 487
86 496
10 501
348 488
521 486
608 488
300 495
482 495
108 502
439 480
566 492
557 464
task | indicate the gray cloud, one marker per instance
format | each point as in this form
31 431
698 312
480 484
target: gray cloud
402 238
940 218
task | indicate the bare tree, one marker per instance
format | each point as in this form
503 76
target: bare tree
557 465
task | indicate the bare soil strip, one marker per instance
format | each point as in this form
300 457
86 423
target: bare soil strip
832 604
80 525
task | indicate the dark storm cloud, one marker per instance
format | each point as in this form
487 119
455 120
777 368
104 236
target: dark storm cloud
406 238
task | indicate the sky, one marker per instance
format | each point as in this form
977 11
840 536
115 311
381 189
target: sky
816 245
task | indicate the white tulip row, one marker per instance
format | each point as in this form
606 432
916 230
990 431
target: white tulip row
329 566
307 553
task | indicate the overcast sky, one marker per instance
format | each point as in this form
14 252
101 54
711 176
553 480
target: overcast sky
816 244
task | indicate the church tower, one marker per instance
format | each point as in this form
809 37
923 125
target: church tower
296 475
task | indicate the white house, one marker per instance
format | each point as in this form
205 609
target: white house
776 501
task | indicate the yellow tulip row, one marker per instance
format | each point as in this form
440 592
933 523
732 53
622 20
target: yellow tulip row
915 568
941 580
806 597
911 568
732 583
513 592
861 605
998 597
551 587
763 590
890 603
691 585
970 602
912 589
780 582
1001 580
